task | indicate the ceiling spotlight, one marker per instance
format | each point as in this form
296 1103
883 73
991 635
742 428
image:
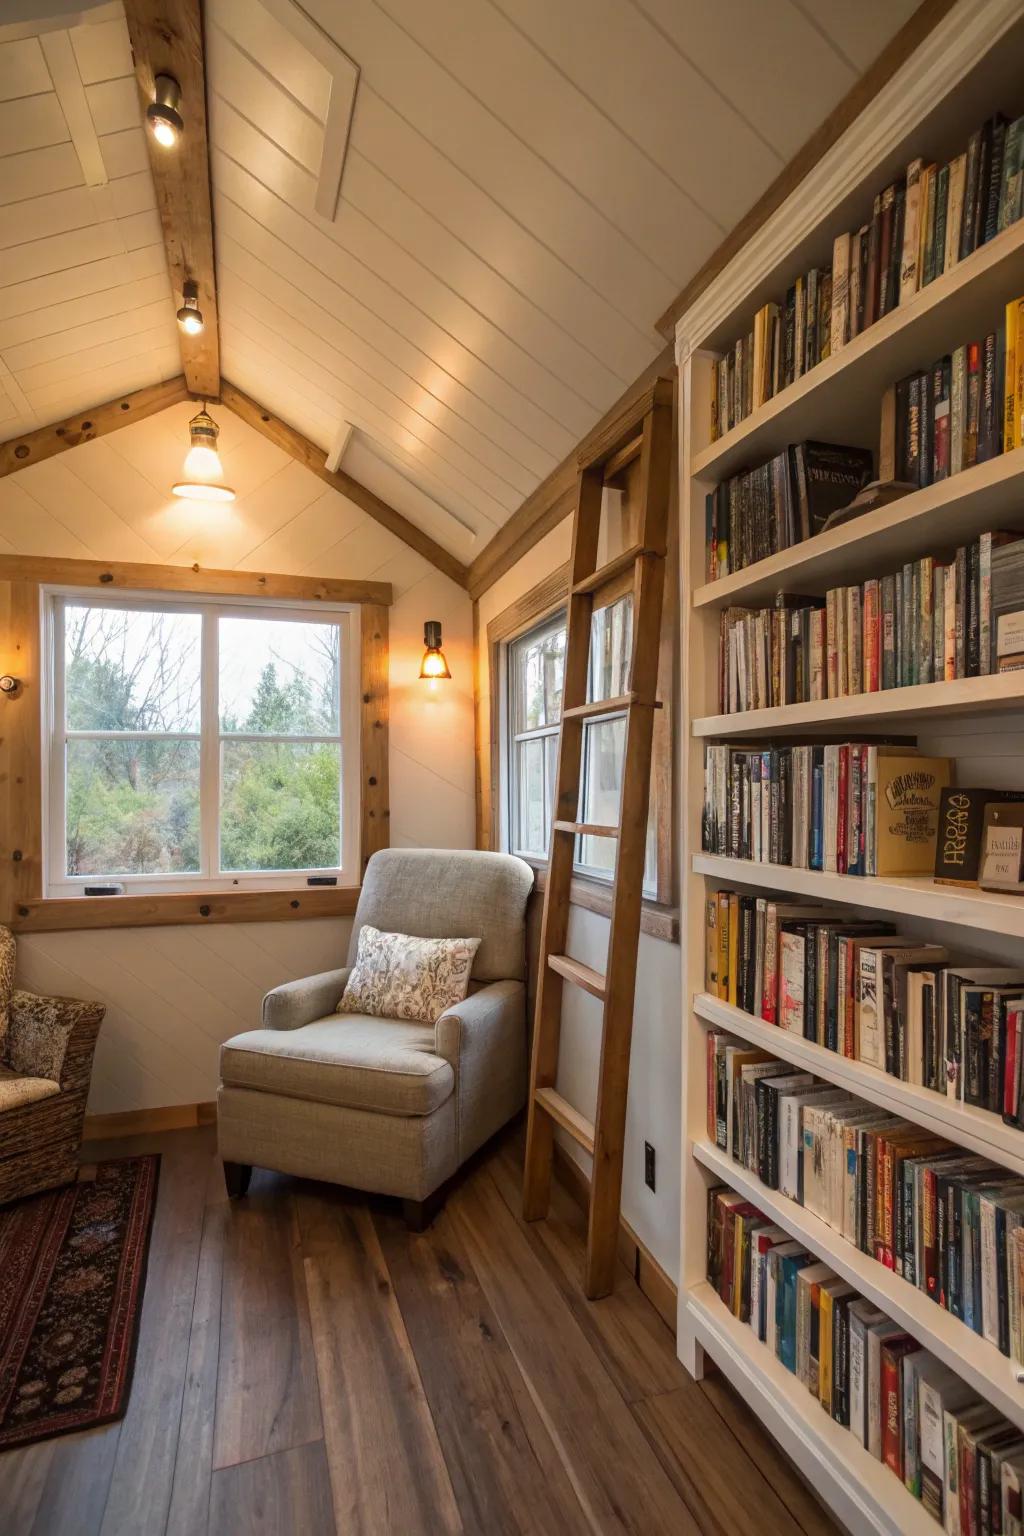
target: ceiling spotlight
203 475
190 316
162 115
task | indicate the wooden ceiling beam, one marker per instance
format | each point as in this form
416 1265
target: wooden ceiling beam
167 39
313 458
42 443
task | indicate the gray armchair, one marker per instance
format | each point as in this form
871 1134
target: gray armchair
384 1104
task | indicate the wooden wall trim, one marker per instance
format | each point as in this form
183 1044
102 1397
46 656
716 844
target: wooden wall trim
374 704
555 497
123 575
893 56
167 39
145 1122
313 458
62 914
44 442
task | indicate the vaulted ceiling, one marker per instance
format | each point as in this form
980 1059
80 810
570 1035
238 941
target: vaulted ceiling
526 187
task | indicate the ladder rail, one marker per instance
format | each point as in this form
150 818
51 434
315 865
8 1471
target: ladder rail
616 989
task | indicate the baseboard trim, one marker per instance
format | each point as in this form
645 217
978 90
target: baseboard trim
139 1122
656 1285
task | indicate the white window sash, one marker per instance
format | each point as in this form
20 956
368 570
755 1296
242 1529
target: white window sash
210 877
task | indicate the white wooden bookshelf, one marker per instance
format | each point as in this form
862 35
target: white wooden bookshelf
959 77
864 1494
976 1129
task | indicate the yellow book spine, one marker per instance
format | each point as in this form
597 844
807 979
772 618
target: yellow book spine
825 1350
734 946
1018 403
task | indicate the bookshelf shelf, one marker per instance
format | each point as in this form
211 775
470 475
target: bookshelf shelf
966 696
986 910
977 721
865 1495
980 1363
838 401
952 511
977 1129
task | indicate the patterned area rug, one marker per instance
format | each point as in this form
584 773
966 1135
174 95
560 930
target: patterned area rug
72 1272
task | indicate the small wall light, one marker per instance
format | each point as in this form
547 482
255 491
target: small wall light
190 316
203 477
163 118
9 684
433 664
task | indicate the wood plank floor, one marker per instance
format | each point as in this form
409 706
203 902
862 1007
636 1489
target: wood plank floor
307 1366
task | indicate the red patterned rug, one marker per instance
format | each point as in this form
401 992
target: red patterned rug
72 1272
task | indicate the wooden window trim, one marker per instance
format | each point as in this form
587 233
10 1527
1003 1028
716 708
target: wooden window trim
659 918
22 904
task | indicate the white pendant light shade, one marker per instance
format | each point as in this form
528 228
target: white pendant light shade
203 474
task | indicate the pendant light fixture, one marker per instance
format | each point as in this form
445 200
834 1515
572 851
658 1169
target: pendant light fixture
203 475
163 117
433 665
190 316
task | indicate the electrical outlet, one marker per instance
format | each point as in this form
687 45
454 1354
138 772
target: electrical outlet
648 1165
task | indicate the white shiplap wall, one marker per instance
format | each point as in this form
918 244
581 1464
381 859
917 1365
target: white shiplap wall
173 994
526 188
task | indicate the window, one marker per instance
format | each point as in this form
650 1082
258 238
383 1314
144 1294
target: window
535 665
200 743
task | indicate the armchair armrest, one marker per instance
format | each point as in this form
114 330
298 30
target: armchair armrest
300 1002
54 1037
484 1040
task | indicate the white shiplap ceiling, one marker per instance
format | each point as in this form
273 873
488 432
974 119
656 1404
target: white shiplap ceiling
527 186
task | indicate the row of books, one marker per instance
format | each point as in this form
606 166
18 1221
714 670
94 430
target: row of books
948 1447
962 410
860 988
948 1222
781 503
848 808
920 226
934 620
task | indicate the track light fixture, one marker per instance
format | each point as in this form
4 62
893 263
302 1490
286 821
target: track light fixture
163 116
190 316
203 477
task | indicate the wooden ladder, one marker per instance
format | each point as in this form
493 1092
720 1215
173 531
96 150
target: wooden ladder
643 431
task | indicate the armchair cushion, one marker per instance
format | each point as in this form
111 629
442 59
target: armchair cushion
38 1034
397 976
387 1066
16 1091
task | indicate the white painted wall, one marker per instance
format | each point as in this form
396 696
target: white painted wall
173 994
653 1112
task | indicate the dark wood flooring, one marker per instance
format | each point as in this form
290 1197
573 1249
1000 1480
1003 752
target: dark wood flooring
306 1366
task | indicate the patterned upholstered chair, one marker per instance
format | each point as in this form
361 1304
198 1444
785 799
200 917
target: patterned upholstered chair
46 1051
383 1104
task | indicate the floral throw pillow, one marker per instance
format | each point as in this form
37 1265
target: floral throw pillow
397 976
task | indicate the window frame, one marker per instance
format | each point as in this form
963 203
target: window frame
542 603
211 606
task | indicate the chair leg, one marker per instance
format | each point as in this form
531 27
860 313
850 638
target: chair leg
236 1177
420 1213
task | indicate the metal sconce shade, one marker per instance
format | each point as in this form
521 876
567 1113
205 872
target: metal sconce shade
433 664
190 316
203 477
163 119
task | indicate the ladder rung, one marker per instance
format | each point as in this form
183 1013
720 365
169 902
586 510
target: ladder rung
626 455
581 975
599 707
585 829
613 568
563 1114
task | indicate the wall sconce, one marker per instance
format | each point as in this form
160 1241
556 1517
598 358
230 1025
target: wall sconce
9 685
190 316
433 664
163 118
203 473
